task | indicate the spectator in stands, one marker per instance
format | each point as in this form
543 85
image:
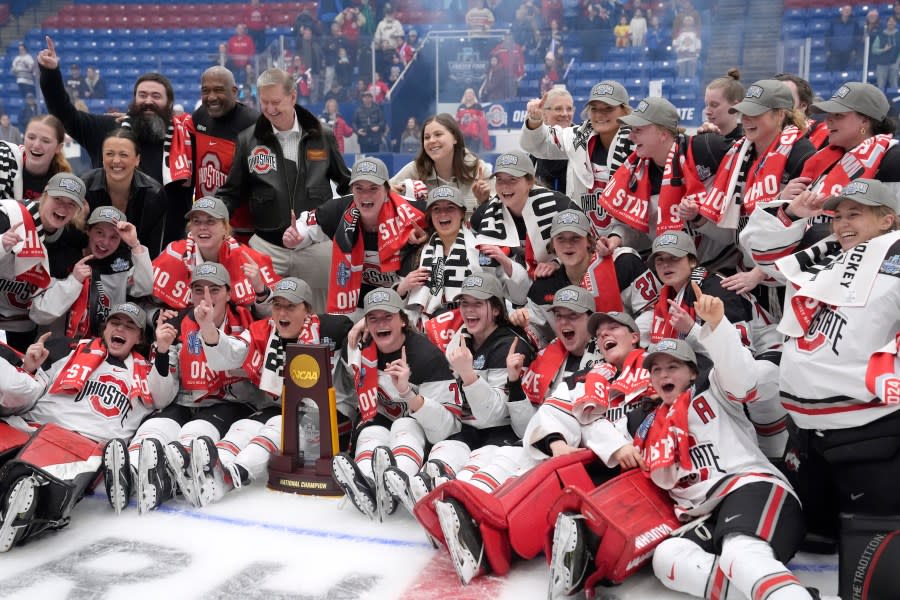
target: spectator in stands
257 19
221 56
511 58
368 122
657 41
268 156
551 73
622 31
721 94
162 141
9 132
343 69
687 46
886 53
75 83
479 20
309 50
410 139
335 92
178 110
684 10
389 33
22 69
522 27
119 183
94 86
638 27
351 21
872 24
497 83
472 123
241 48
844 38
331 117
306 19
330 46
408 47
29 110
378 88
591 32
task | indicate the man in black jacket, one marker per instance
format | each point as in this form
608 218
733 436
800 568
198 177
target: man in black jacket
149 116
283 165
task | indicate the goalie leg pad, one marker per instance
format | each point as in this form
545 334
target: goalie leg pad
869 555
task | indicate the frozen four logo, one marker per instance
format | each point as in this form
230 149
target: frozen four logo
754 91
366 168
668 239
602 89
379 297
207 269
473 281
108 213
72 185
841 92
665 346
128 308
566 296
286 285
443 192
262 160
507 160
855 187
567 219
642 107
204 203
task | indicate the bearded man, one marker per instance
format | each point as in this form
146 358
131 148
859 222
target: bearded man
163 139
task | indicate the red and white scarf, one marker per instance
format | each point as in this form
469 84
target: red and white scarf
440 329
196 376
176 149
365 379
31 263
739 183
264 364
627 197
540 374
664 445
604 387
601 281
883 372
817 132
845 166
172 271
395 224
662 325
84 360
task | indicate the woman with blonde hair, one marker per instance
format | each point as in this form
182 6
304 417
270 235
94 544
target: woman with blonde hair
29 167
721 94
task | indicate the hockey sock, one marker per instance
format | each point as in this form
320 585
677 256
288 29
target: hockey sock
751 566
255 456
163 429
197 428
407 442
238 437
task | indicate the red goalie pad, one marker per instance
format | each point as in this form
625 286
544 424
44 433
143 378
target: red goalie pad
514 517
630 514
54 446
11 439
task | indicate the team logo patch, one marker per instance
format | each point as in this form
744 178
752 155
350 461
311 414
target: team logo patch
366 167
379 297
473 281
483 259
443 192
507 160
343 274
642 107
667 239
206 269
855 187
119 265
602 89
72 185
108 213
204 203
478 362
841 92
195 346
262 160
566 296
567 219
891 266
128 308
286 285
754 91
704 172
665 346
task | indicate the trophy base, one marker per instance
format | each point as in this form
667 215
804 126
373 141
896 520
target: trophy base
286 475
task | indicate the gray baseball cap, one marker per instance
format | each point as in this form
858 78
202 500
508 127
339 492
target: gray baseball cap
66 185
653 111
211 272
570 220
676 243
616 316
679 349
384 299
482 286
130 310
609 92
292 289
514 162
574 298
445 192
106 214
763 96
854 96
369 169
210 205
870 192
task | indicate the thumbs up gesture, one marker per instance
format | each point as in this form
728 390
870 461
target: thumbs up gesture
709 308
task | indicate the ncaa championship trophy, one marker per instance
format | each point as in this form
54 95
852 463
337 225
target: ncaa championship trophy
307 374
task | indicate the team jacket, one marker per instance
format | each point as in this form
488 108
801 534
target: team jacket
259 175
723 447
430 377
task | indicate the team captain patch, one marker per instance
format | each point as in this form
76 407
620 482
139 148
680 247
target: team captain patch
262 160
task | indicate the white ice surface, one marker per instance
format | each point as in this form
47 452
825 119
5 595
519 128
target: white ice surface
258 543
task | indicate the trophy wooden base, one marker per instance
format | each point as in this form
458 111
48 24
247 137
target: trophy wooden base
287 474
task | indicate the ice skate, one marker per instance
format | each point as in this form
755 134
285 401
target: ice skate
208 473
382 459
155 484
19 508
354 483
568 561
397 483
117 474
462 538
179 463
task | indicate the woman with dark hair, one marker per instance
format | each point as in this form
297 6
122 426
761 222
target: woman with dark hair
121 184
27 169
445 160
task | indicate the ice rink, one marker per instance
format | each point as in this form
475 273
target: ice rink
258 543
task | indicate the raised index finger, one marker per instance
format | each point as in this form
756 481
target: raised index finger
43 338
512 347
698 293
50 45
403 353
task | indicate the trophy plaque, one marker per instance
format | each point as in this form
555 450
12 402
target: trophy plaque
307 375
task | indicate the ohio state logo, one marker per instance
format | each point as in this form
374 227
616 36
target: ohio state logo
496 116
262 160
107 396
211 175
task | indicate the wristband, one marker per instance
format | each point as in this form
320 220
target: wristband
408 395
